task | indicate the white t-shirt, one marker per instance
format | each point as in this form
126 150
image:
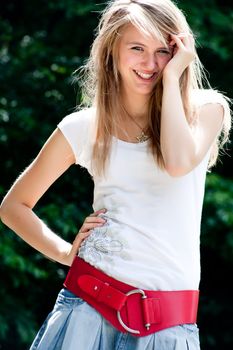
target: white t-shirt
152 235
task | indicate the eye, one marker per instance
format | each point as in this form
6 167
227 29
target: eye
137 48
164 52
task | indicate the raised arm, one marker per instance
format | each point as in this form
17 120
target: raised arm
182 149
16 212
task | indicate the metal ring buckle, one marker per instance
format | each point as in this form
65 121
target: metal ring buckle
134 291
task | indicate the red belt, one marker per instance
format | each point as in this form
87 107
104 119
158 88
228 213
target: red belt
140 312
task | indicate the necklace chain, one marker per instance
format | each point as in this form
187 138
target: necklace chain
142 137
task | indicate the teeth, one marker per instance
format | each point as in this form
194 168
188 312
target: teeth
144 76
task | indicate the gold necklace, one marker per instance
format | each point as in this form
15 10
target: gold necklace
142 137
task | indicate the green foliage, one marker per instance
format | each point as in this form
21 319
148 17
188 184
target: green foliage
216 307
42 43
217 230
212 23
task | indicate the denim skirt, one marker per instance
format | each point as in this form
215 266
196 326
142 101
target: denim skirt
75 325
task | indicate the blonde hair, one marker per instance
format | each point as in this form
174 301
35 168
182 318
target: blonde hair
100 81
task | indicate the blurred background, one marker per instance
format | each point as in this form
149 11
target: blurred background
42 43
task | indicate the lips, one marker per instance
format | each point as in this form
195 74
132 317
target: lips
145 77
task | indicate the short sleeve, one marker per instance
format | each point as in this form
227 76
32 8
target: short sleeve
205 96
78 129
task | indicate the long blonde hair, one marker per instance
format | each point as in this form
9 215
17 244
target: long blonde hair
100 80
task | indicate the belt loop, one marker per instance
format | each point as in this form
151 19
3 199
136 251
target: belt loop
151 311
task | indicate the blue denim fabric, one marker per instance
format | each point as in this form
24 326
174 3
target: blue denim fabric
75 325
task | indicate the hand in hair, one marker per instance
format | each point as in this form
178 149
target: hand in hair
184 53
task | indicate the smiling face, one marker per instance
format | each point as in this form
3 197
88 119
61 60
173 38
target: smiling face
140 60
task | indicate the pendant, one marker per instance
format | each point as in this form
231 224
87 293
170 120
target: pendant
142 137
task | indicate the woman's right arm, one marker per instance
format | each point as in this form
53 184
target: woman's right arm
16 210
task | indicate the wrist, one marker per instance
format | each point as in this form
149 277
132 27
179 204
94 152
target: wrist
64 256
170 78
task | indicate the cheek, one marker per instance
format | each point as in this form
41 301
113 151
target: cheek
125 63
129 61
163 61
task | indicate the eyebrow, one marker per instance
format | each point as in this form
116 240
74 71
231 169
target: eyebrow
141 44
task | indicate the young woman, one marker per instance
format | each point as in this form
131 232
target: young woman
148 135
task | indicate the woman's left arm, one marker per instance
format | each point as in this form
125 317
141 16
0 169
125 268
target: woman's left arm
182 149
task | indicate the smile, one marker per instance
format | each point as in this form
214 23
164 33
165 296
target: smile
144 76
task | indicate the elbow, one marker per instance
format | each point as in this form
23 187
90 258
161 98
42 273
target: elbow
6 210
181 160
177 169
176 172
10 208
3 211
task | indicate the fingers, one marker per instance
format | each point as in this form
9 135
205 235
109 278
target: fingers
177 41
93 221
187 41
98 212
183 43
89 226
182 39
80 237
90 219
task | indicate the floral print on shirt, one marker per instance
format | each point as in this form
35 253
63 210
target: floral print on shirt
101 243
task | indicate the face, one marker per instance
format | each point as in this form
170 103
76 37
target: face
140 60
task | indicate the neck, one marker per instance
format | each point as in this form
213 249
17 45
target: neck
136 106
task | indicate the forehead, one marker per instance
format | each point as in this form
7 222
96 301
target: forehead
132 34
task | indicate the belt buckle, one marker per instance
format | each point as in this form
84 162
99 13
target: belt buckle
134 331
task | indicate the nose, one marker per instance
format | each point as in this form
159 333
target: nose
150 62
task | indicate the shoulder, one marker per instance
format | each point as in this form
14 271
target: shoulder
212 105
202 97
83 117
78 129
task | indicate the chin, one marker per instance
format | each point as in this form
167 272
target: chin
143 91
